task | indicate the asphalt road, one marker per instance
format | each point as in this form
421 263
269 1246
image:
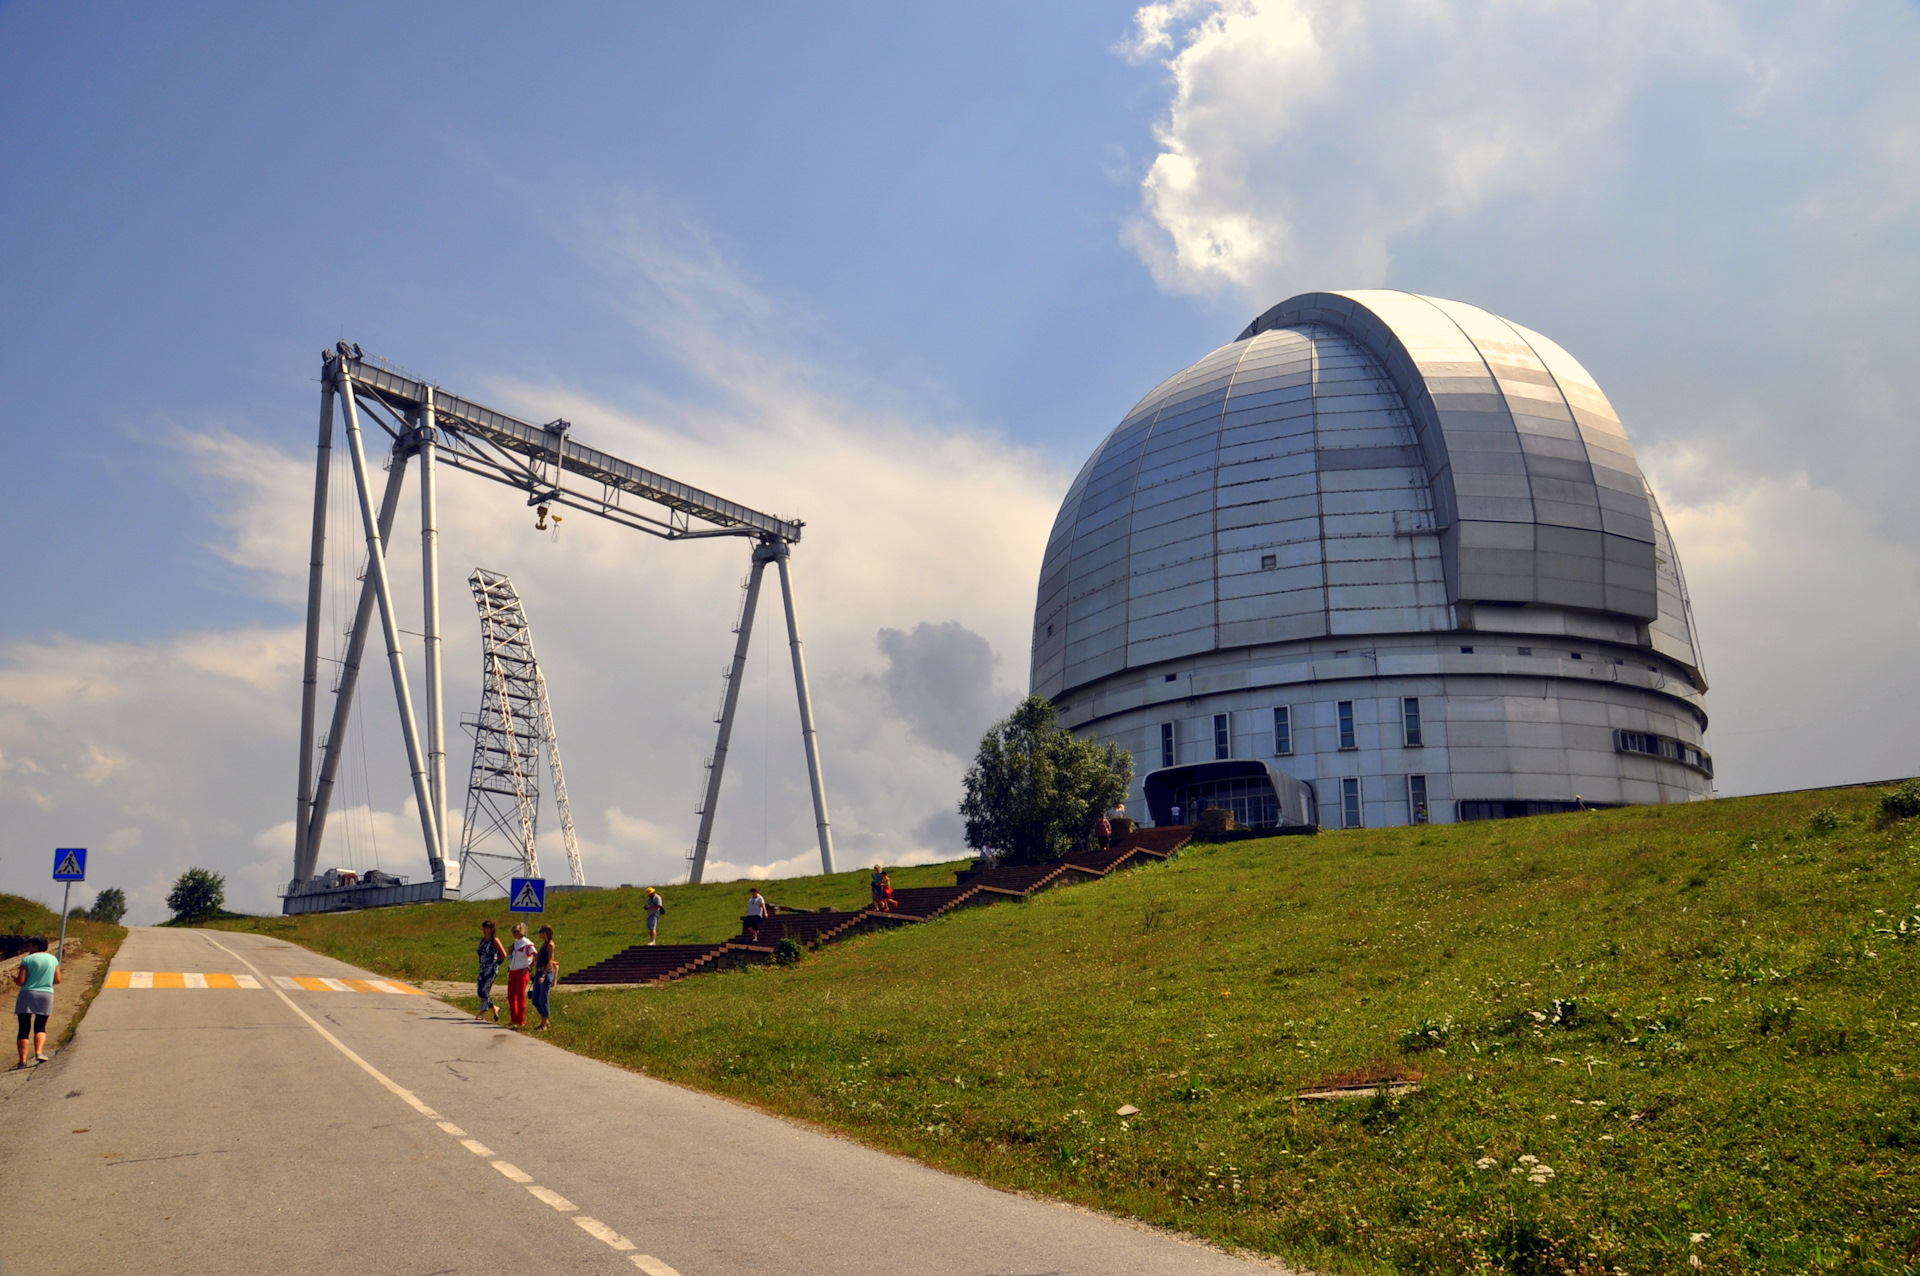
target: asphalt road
215 1130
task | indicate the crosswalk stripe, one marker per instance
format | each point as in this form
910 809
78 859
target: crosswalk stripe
217 979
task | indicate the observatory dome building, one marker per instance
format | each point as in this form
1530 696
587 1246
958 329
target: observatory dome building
1383 558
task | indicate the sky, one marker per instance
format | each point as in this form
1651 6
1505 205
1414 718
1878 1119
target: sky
894 270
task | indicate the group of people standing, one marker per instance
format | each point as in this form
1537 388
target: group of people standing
531 973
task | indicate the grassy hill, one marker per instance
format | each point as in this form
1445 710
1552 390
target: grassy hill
437 941
22 916
1643 1037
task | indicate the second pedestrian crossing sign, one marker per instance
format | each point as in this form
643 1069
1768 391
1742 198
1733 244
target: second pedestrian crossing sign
527 895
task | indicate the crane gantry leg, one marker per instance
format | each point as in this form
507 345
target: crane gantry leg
710 803
807 736
316 828
310 666
390 624
445 865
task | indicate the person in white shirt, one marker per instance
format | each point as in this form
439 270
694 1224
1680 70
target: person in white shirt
519 967
757 909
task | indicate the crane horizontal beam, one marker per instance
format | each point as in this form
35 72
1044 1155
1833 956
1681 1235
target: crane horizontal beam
542 446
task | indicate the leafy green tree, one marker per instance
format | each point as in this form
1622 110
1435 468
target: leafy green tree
1034 791
110 905
199 894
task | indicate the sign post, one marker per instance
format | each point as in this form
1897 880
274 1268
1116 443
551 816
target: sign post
527 895
69 866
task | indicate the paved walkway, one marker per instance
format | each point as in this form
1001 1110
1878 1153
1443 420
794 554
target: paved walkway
232 1129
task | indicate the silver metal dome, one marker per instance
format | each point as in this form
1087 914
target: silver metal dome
1358 466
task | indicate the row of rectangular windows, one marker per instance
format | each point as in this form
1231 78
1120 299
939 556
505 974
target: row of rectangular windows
1410 732
1662 746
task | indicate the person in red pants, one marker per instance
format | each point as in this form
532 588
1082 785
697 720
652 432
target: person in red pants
519 967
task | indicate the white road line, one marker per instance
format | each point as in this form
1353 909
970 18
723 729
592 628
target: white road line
412 1100
453 1129
592 1226
384 986
194 980
552 1198
477 1148
651 1265
601 1232
513 1172
140 979
334 984
246 981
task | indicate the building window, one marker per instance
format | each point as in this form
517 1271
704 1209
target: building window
1659 746
1269 562
1350 803
1166 744
1410 719
1222 736
1346 725
1576 655
1526 651
1466 651
1282 731
1417 799
1170 677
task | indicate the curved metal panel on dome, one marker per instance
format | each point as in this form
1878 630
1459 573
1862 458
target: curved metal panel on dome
1538 491
1354 463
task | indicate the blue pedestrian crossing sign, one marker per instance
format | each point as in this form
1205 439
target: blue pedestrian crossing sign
527 895
70 864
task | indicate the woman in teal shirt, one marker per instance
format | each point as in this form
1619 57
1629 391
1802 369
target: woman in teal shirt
39 972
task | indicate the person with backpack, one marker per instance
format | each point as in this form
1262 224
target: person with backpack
655 907
491 955
879 885
39 971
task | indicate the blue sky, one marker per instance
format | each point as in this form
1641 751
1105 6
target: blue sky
895 269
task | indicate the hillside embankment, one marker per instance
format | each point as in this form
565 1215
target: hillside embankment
90 946
1644 1040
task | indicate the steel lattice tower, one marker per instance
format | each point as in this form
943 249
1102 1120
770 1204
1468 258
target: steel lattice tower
514 722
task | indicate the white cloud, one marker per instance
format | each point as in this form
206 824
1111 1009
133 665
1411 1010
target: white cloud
1710 204
188 741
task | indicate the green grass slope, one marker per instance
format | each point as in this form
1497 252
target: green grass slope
1645 1036
437 941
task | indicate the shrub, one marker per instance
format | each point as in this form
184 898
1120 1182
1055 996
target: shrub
1122 825
1903 802
1824 820
788 953
109 906
1425 1035
1216 820
200 893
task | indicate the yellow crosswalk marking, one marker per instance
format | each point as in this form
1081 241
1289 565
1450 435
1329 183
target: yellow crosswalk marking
136 979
